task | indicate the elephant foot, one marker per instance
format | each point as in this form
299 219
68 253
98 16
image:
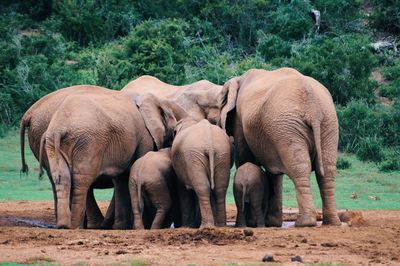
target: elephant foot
121 226
306 220
97 225
240 225
273 221
64 226
207 225
139 227
331 220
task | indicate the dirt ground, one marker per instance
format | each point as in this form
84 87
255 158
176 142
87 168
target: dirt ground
373 242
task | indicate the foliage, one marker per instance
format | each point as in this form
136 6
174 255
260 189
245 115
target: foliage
343 64
343 163
391 163
370 149
392 75
339 15
386 15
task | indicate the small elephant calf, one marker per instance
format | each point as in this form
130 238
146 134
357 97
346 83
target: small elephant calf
248 189
150 184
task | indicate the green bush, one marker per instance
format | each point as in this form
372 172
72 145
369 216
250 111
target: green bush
291 21
391 163
272 46
392 74
339 15
342 64
342 163
371 149
386 15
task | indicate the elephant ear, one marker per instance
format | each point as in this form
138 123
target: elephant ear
149 107
229 94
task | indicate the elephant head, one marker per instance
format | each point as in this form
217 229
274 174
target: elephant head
160 117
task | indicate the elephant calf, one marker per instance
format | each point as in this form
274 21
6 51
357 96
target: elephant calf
150 184
201 157
249 190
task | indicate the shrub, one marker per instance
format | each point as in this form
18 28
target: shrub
157 47
342 64
291 21
343 163
339 15
386 15
392 75
391 163
370 149
272 46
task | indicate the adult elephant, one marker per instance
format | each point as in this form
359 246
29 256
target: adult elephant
201 100
36 119
287 123
91 137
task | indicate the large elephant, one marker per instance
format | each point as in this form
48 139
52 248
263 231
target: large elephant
90 137
287 123
37 119
201 100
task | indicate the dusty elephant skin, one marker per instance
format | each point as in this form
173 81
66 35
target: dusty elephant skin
88 138
152 186
249 190
37 118
201 157
287 123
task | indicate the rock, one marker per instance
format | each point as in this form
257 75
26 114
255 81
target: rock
121 252
297 259
304 240
374 198
329 244
268 258
248 232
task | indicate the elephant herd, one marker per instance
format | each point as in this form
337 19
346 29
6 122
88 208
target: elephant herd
167 150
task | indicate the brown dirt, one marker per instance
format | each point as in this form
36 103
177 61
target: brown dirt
374 241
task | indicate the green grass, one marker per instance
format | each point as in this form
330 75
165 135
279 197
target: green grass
362 178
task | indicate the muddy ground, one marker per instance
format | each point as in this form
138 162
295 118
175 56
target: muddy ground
373 242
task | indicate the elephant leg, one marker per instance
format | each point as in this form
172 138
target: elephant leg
273 204
240 216
93 213
220 195
203 193
162 201
326 186
257 213
137 217
110 214
123 208
185 200
243 152
300 175
81 185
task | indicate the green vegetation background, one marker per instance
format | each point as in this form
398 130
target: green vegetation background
46 45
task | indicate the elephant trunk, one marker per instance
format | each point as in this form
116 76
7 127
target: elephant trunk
24 123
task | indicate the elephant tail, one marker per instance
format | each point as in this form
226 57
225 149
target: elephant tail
24 123
244 196
315 120
41 151
139 188
211 157
58 156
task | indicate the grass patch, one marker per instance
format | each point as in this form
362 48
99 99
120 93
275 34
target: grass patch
363 178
